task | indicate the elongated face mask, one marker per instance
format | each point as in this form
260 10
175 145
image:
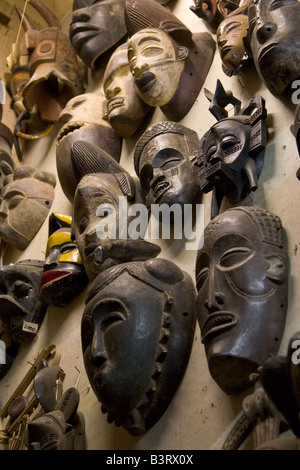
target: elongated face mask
96 26
124 108
241 273
138 323
164 161
27 197
156 65
275 42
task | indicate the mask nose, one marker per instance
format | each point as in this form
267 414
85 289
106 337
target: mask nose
265 31
215 298
98 353
112 91
81 16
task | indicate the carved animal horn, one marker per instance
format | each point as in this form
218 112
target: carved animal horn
27 22
47 13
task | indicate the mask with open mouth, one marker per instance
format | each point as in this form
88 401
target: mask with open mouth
21 309
242 283
275 42
164 159
64 277
96 26
137 332
82 120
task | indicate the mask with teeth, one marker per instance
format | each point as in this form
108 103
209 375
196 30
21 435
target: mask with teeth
96 26
275 42
137 332
242 283
164 160
82 121
26 199
124 109
21 310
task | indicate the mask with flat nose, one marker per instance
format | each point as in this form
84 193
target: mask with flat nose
242 283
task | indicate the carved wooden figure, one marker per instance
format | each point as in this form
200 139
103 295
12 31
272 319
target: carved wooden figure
231 153
96 26
275 42
82 119
137 334
164 159
52 65
64 277
169 63
124 108
242 283
26 199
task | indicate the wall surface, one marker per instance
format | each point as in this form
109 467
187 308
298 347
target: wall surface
201 414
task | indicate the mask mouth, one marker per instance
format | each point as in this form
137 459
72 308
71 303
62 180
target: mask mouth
216 324
160 188
69 129
76 30
145 82
114 103
48 277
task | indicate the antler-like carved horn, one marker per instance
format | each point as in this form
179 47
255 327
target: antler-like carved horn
27 22
46 12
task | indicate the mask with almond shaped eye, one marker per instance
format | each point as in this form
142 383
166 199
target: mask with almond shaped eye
275 42
242 283
137 333
96 26
27 196
231 153
64 277
21 310
164 158
82 119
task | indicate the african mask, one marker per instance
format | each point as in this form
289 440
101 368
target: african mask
64 276
96 26
275 42
241 273
164 160
100 223
62 428
124 108
21 310
232 41
52 64
26 198
168 62
231 153
137 332
82 120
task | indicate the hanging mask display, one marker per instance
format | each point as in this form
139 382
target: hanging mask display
137 333
242 283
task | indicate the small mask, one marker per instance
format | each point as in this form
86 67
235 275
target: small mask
64 276
242 283
124 108
52 64
232 40
21 310
164 159
96 26
168 62
231 153
137 333
26 198
96 226
275 42
82 120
